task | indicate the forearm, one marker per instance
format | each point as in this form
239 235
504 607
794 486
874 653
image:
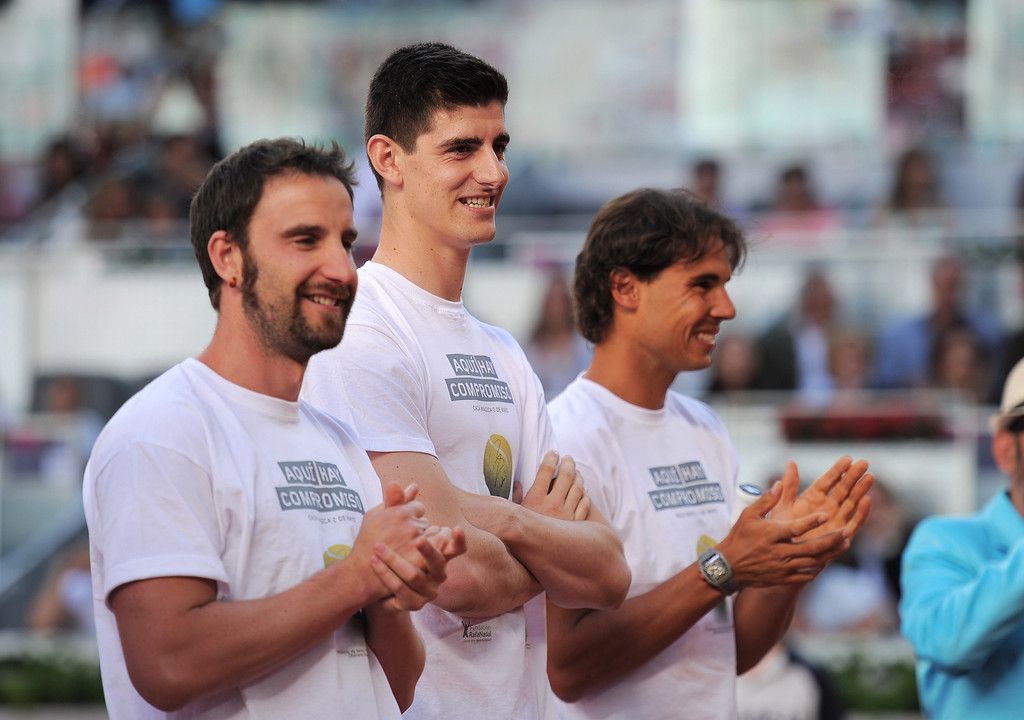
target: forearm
485 581
579 563
761 617
955 611
391 637
589 650
174 656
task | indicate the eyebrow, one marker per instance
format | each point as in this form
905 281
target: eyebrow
349 234
474 142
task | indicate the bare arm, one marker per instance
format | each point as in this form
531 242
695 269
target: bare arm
588 570
590 650
487 580
180 642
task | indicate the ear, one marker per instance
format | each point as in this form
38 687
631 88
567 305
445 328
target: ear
384 154
226 257
625 289
1004 452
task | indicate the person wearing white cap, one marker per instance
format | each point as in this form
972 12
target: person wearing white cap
963 590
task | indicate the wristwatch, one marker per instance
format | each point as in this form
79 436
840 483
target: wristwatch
717 571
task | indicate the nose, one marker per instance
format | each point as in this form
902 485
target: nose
339 266
490 169
723 307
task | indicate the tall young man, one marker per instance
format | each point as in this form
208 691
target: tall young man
706 602
439 397
243 565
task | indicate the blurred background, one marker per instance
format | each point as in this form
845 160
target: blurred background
873 150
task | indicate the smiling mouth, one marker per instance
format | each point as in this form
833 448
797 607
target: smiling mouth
483 201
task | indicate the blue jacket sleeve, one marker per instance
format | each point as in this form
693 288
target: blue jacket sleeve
959 601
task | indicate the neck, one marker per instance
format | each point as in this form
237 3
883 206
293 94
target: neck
236 354
623 370
435 267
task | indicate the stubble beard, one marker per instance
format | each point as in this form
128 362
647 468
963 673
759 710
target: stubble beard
285 331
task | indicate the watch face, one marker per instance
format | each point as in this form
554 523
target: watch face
715 569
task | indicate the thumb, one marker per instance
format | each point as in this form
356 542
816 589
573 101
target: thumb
393 495
763 505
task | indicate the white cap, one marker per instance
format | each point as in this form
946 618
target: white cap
1012 406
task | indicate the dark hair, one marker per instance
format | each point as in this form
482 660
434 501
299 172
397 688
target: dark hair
645 231
228 196
417 80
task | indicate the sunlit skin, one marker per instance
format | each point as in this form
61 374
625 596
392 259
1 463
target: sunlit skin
444 193
667 325
296 283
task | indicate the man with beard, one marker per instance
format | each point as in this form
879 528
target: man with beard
442 398
246 561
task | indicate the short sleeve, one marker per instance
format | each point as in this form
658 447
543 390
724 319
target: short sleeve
370 382
153 515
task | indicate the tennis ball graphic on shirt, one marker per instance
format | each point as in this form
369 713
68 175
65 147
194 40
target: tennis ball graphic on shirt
335 553
498 466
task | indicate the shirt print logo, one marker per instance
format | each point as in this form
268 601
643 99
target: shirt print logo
476 379
683 485
316 486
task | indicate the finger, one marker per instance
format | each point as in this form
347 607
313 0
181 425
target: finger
833 475
405 598
415 510
573 498
456 545
790 529
849 480
413 577
393 494
583 509
817 547
435 562
763 505
854 524
545 473
411 491
790 483
564 480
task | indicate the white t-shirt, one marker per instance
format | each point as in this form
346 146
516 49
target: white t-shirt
198 477
666 484
417 373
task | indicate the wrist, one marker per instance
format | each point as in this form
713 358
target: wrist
717 572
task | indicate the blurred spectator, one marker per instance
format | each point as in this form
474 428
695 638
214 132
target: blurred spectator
63 401
960 363
556 351
906 345
860 591
915 198
796 209
786 686
64 601
735 367
183 164
61 164
849 364
113 203
704 182
794 351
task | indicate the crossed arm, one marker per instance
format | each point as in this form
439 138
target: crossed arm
181 642
589 650
553 542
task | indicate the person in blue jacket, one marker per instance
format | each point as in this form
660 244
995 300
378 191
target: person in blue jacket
963 590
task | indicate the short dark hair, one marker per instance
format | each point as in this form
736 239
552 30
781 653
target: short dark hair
228 196
644 232
417 80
